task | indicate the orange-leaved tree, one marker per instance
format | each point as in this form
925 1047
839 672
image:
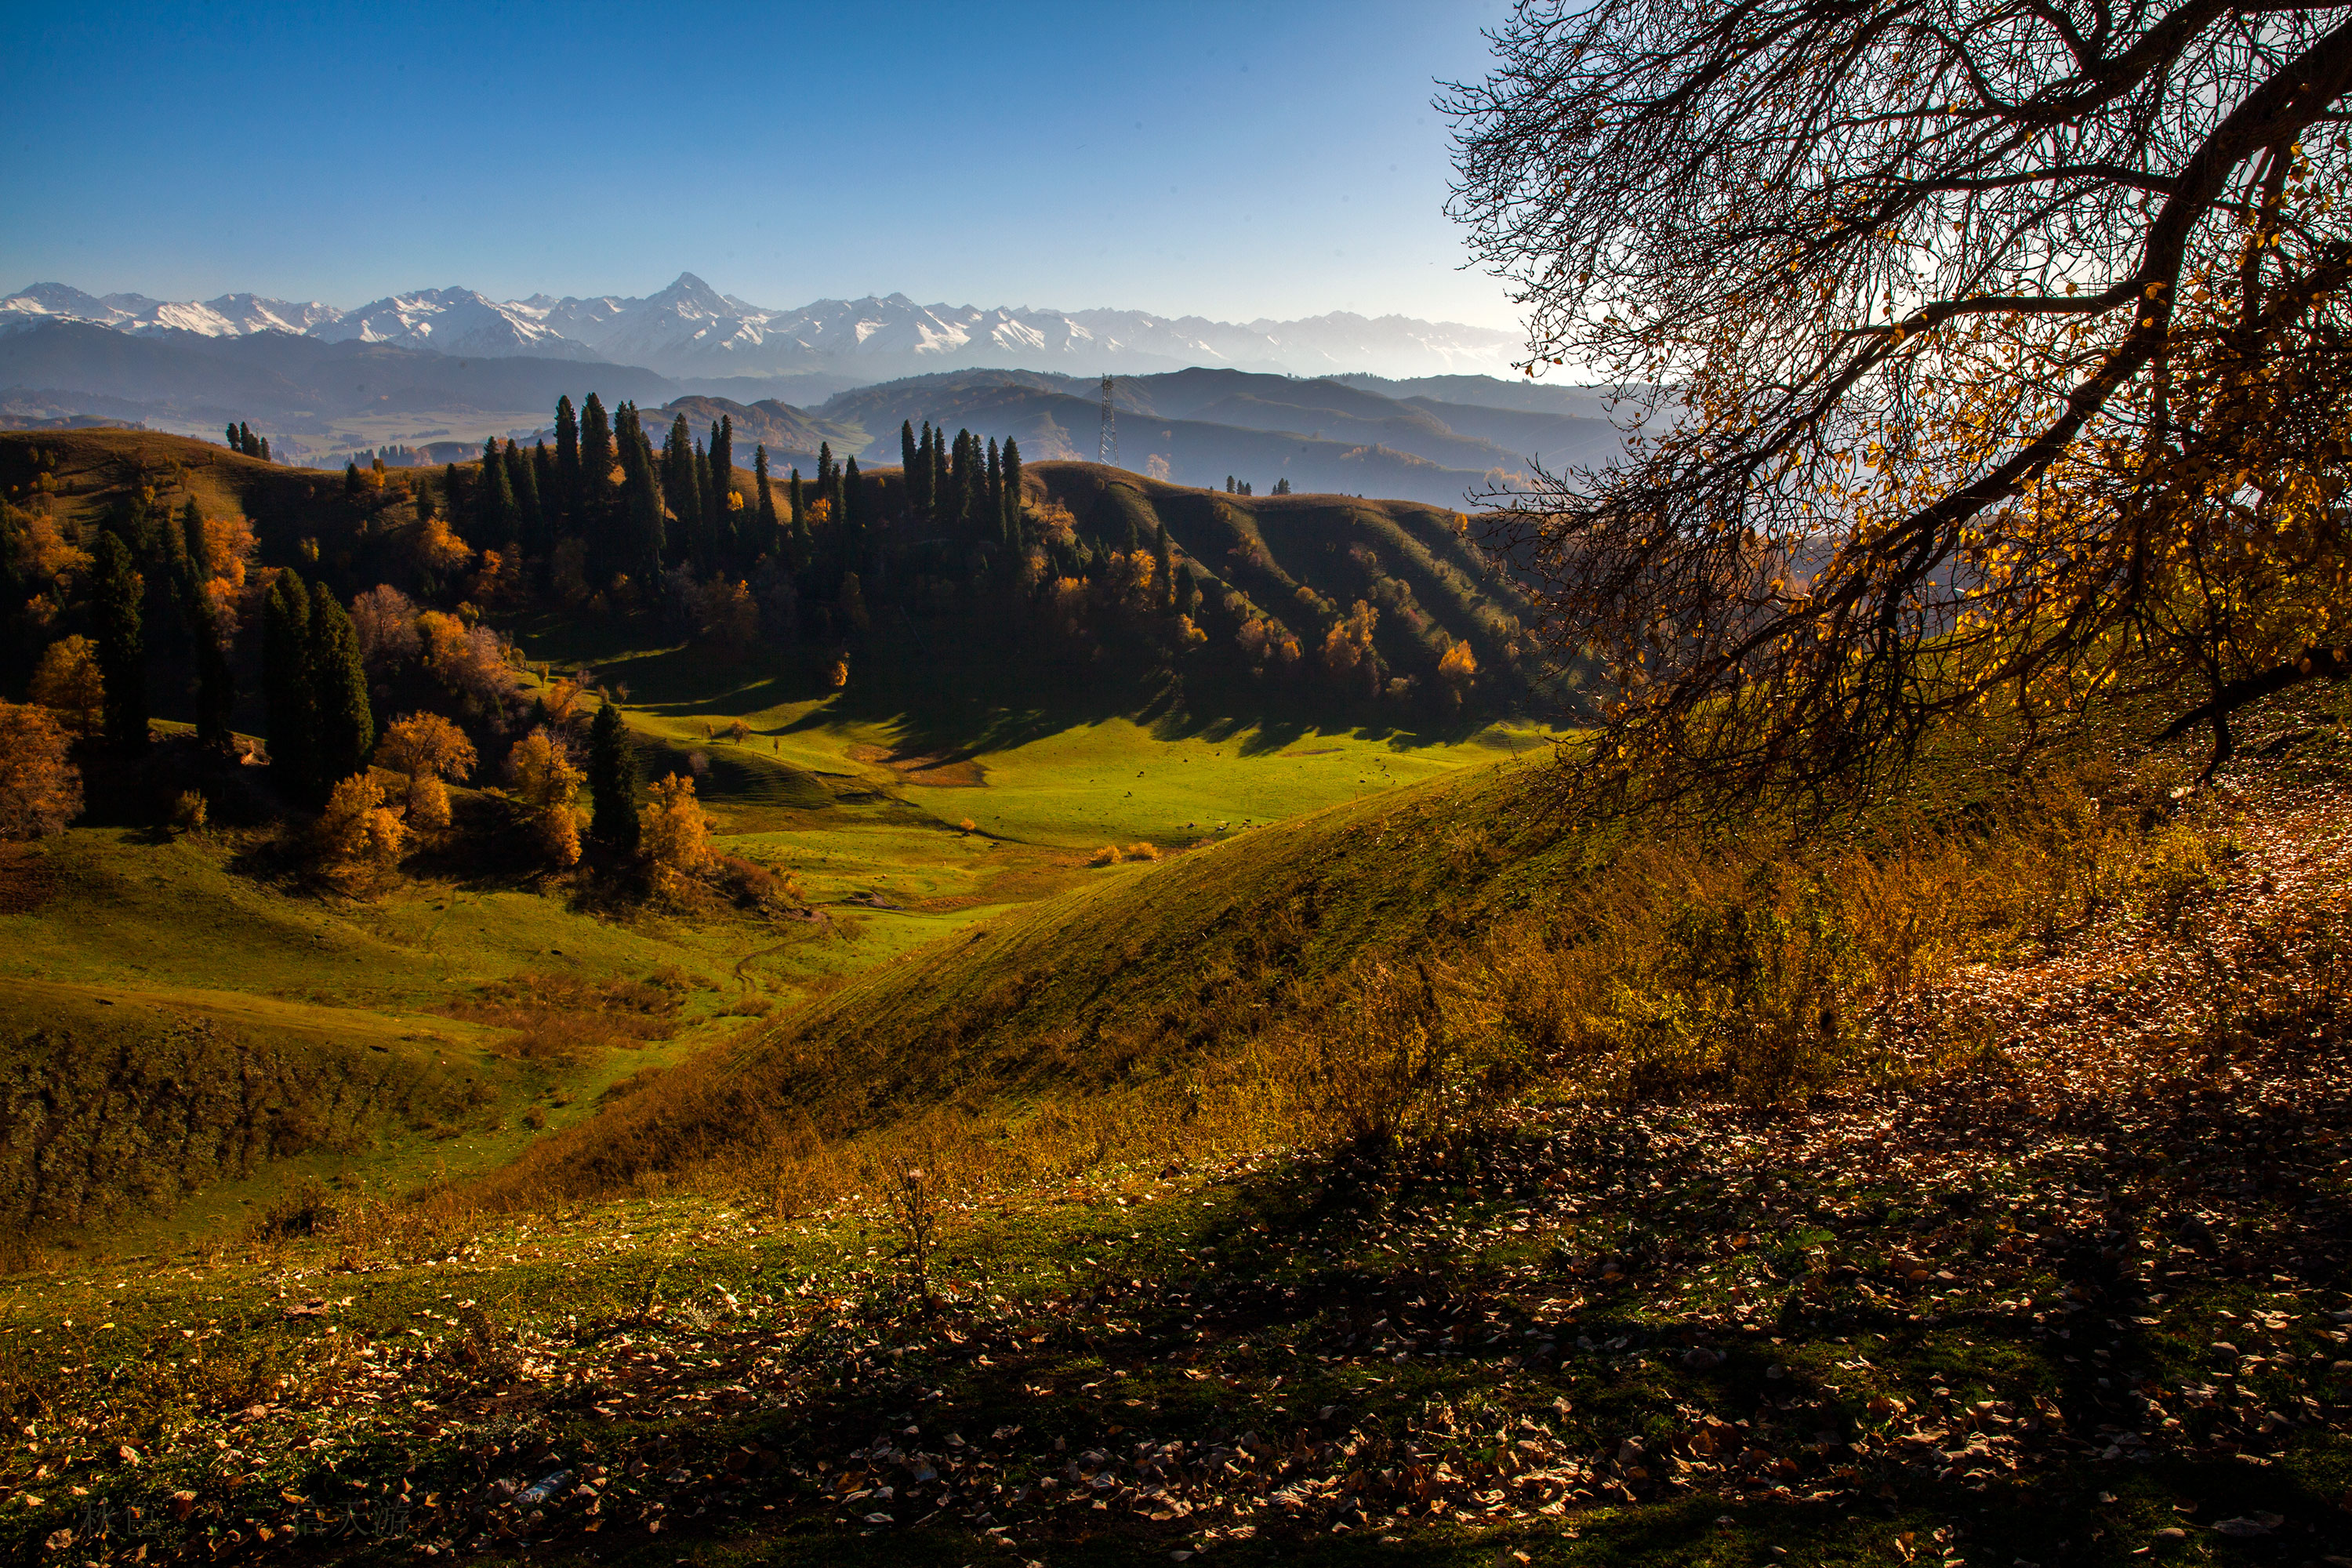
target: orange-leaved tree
429 749
68 681
675 836
547 787
40 788
358 839
1983 358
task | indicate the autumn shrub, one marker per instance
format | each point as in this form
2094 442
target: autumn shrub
1140 852
190 812
40 788
358 839
675 838
1105 856
753 884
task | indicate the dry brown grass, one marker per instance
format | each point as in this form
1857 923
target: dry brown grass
560 1017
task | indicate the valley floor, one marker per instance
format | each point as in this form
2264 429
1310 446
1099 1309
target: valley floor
2062 1281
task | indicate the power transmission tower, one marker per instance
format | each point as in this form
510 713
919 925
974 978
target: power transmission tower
1108 453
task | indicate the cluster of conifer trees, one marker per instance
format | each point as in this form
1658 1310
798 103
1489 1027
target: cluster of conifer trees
671 507
148 569
314 688
242 439
971 492
662 520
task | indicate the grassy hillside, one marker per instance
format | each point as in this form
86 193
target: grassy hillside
1345 970
1300 560
860 792
1938 1300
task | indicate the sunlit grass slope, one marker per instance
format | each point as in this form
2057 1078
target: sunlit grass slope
1140 984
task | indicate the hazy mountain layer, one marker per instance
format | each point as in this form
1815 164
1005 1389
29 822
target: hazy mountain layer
1200 427
1193 426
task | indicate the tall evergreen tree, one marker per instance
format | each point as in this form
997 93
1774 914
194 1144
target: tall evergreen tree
722 477
613 780
991 521
641 535
562 500
345 727
907 458
940 484
494 509
286 682
542 507
193 545
596 458
1014 537
763 536
215 679
115 594
193 566
854 522
522 493
918 475
951 498
682 489
1161 562
711 543
452 501
828 484
800 552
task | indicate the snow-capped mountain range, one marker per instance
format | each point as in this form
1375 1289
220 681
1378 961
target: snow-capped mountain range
690 329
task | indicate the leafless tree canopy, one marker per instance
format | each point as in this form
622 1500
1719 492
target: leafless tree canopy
2004 347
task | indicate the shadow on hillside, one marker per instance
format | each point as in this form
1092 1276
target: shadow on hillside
956 692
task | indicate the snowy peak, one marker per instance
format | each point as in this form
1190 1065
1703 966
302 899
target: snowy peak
453 322
691 329
231 315
690 298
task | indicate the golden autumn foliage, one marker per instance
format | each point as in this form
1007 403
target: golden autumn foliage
40 788
68 681
1347 647
675 838
438 551
1267 644
427 749
547 787
2000 370
44 553
358 839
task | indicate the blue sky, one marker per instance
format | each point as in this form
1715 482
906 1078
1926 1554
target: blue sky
1230 161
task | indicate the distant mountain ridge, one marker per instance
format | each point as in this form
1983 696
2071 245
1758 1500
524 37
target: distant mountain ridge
690 329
